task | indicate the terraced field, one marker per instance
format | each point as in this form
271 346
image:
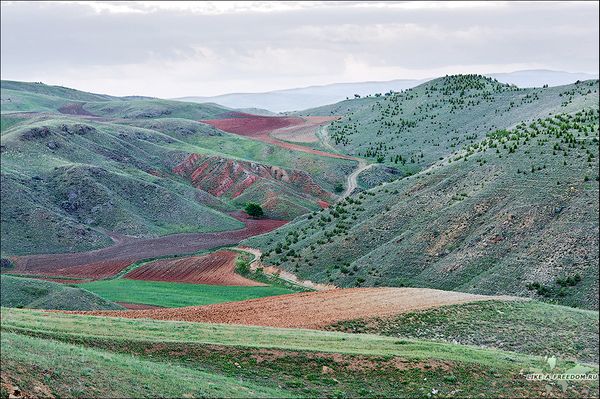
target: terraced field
261 127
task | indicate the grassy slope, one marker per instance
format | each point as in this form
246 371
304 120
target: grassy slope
38 294
430 121
302 361
75 371
526 327
54 91
174 295
512 213
67 179
96 176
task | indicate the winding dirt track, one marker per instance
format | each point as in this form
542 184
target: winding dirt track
109 261
353 178
309 309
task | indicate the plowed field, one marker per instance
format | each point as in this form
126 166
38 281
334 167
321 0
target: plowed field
109 261
216 269
310 309
266 128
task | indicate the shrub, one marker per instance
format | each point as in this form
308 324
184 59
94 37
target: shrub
253 209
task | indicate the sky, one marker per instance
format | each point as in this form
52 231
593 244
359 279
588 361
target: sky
175 49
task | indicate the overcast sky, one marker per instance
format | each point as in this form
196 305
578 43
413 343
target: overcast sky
207 48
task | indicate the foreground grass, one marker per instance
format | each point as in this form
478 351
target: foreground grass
168 294
304 363
527 327
75 371
60 324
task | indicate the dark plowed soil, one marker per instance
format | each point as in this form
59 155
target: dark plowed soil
74 109
109 261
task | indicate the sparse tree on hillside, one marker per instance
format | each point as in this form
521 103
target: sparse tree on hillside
253 209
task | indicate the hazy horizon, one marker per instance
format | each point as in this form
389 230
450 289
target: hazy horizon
182 49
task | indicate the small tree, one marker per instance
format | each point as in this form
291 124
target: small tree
338 188
253 209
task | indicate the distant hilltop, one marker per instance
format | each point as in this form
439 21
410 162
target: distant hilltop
315 96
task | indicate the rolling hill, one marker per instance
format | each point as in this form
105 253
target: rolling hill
316 96
142 357
18 292
78 167
503 198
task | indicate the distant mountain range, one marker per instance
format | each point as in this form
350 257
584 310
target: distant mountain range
314 96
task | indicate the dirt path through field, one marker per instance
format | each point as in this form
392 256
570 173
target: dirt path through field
281 273
310 309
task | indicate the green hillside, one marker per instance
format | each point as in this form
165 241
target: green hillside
200 359
67 179
17 292
510 211
530 327
53 91
413 129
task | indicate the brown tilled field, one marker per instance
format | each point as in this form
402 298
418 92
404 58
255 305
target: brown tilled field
109 261
305 132
217 268
89 271
262 127
310 309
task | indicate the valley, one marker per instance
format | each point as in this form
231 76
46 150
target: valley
386 223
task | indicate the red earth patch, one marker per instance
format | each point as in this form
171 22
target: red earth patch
109 261
217 268
260 128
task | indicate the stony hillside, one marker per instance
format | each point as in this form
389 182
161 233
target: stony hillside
510 211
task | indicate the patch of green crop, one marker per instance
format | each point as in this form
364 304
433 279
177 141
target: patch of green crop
169 294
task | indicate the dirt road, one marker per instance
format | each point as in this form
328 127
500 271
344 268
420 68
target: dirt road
352 181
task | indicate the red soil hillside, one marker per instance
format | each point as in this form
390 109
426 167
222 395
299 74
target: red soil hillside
253 125
265 128
221 176
217 268
310 309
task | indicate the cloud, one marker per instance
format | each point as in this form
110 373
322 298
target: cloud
206 48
